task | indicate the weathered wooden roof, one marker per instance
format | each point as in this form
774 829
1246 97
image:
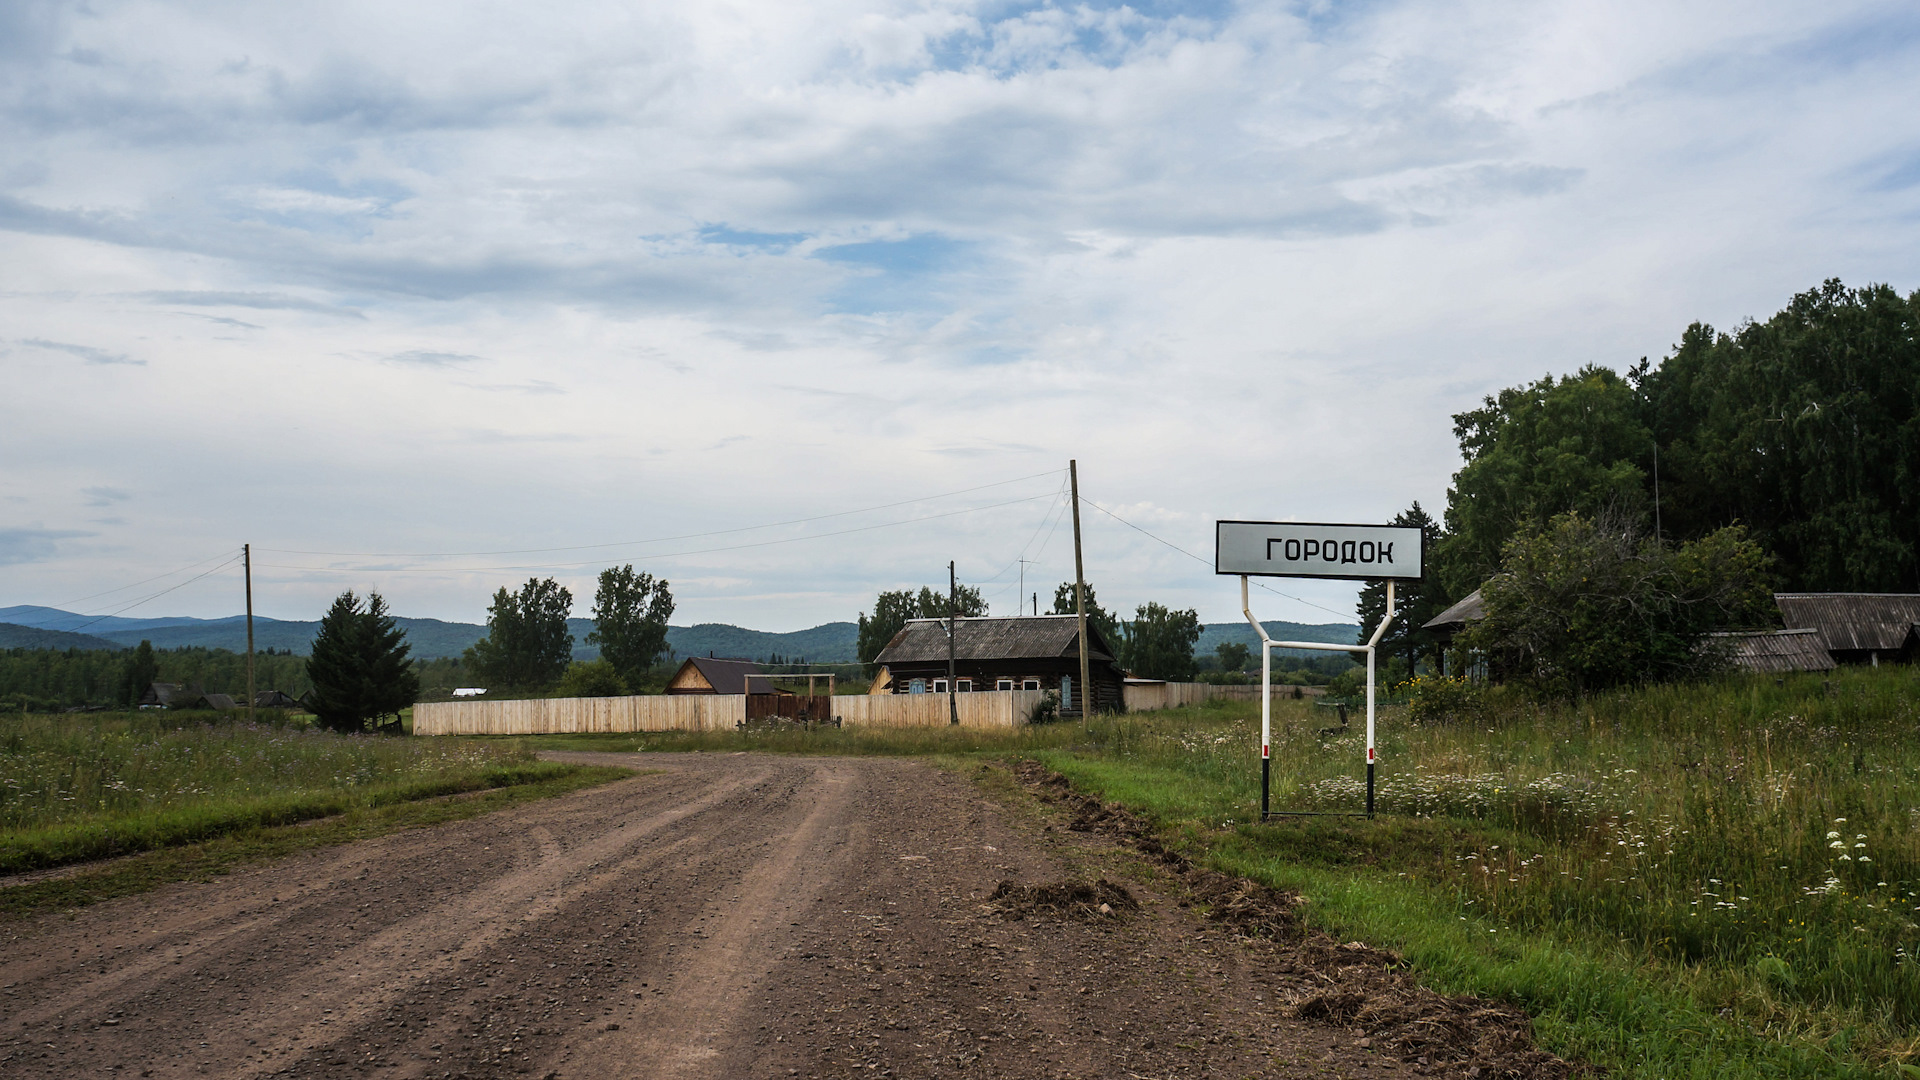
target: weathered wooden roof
1775 650
1020 637
1851 622
1470 608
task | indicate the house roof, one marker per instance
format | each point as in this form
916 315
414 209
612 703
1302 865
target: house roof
223 702
1852 622
1470 608
724 675
1776 650
996 638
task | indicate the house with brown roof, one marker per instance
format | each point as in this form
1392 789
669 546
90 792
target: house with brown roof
1022 652
719 675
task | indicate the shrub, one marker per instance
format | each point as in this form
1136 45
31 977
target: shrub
1437 699
591 678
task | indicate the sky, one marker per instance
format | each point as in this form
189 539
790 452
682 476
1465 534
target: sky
789 303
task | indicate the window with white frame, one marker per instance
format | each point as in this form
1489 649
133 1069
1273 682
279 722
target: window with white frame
939 686
1030 684
965 686
1003 684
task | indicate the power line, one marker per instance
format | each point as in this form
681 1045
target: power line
137 584
158 595
654 540
1202 561
665 555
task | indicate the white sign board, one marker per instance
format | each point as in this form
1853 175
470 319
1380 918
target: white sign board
1306 549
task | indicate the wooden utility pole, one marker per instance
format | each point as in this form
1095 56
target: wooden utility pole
246 553
1079 594
953 629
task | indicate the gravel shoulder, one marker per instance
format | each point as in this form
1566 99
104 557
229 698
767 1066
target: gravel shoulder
717 916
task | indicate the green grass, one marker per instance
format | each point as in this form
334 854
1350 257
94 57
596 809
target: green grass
1710 880
79 787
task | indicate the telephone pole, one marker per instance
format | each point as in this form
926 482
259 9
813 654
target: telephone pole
1079 593
246 554
953 627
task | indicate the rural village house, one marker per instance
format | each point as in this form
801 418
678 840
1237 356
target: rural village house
1023 652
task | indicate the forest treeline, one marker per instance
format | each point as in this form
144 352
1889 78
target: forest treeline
1784 455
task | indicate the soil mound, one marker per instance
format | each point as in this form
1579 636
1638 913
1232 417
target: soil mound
1366 991
1100 900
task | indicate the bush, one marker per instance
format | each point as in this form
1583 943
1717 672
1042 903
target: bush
591 678
1437 699
1046 710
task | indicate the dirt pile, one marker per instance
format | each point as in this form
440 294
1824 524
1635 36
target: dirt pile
1367 992
1077 899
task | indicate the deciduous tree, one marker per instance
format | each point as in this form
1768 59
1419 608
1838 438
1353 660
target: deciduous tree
630 613
1158 643
528 645
1585 604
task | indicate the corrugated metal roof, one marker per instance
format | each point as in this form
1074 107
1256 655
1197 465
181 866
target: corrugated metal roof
1852 622
1776 650
1023 636
1471 607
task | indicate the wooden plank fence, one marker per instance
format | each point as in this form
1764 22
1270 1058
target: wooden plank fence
1147 697
1006 709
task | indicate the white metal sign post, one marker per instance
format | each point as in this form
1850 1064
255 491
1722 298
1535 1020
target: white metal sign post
1304 549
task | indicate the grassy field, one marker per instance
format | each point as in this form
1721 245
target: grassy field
1696 881
86 786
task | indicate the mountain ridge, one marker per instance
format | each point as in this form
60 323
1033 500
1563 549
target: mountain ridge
828 643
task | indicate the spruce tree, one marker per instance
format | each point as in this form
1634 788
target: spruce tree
359 666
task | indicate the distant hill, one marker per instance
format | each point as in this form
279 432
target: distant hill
430 638
828 643
15 636
1213 634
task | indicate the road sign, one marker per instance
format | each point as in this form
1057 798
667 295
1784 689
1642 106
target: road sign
1311 549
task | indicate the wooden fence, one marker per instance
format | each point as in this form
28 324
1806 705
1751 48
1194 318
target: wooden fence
1146 697
708 712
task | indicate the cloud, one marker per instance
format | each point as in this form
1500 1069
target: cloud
430 359
104 496
32 545
85 352
535 386
262 301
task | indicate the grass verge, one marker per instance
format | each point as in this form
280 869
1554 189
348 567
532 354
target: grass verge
202 861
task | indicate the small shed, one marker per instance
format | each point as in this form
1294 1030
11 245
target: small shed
1774 650
718 675
222 702
1021 652
1858 628
159 695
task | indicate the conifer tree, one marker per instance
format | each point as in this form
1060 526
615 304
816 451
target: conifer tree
359 666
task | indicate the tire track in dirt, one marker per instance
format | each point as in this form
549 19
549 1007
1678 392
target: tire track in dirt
725 915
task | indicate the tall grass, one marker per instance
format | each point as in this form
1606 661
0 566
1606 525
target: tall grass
1755 840
83 786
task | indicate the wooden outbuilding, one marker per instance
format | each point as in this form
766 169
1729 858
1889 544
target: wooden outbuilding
717 675
1022 652
1773 650
1858 628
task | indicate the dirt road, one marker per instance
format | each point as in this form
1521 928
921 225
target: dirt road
716 916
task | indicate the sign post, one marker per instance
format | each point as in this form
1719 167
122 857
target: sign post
1311 550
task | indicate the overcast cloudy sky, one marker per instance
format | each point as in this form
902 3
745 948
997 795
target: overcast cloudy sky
423 287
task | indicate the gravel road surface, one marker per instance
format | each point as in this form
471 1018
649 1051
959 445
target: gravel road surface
714 916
